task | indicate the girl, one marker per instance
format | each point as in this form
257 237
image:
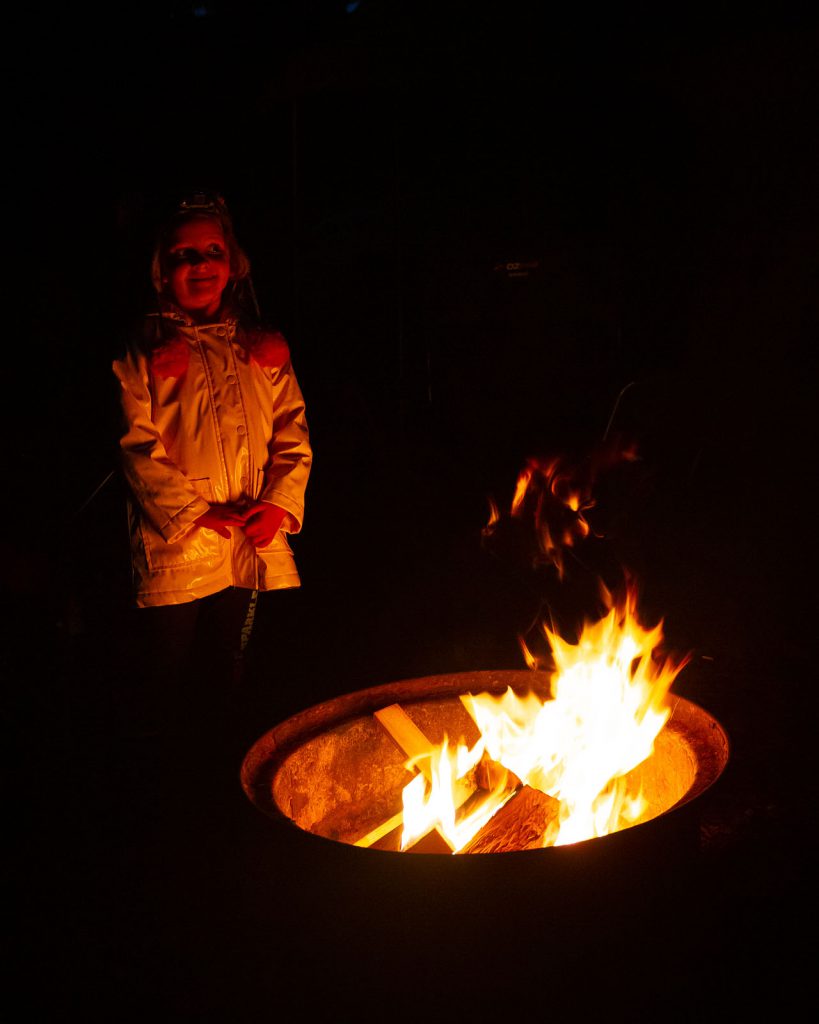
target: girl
216 454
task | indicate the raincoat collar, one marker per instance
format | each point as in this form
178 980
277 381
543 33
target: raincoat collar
168 311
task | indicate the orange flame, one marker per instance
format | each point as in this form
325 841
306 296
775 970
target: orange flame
609 701
558 494
441 797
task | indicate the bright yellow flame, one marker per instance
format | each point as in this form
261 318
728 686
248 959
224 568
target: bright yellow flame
608 703
437 797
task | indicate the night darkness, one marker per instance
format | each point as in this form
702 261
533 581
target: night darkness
489 234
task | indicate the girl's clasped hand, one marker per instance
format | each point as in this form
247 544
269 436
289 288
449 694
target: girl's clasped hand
260 521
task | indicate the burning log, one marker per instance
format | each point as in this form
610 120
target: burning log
521 824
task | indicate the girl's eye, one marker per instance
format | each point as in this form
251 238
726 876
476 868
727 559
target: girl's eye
179 256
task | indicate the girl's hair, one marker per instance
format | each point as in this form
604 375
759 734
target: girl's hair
199 204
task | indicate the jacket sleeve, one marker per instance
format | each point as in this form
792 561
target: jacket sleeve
289 453
165 495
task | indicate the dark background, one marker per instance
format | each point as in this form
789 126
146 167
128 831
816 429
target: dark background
476 227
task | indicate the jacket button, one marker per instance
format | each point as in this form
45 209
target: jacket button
241 429
230 377
220 331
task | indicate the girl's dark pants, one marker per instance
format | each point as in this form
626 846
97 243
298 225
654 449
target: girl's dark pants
179 706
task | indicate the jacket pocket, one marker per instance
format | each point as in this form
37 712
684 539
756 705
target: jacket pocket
197 545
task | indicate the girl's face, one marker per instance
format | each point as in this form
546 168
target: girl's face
197 266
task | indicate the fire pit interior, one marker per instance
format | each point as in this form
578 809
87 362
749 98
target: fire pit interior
338 770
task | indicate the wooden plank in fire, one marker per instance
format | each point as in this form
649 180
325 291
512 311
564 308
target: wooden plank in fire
409 738
382 830
521 824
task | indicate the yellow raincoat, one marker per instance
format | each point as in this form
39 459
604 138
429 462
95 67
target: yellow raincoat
213 414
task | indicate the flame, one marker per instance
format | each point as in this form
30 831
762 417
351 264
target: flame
441 796
557 493
494 517
608 703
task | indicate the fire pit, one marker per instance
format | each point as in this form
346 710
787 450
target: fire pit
338 770
498 762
